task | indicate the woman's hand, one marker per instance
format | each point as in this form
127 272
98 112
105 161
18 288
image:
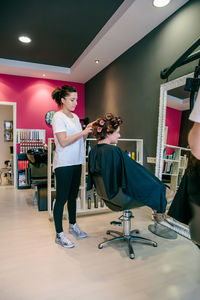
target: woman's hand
87 130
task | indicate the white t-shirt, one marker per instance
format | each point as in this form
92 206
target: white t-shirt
73 154
195 114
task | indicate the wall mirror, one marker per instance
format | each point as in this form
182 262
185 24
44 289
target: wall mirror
173 127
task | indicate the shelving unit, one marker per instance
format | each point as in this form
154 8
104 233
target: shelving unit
174 165
30 139
51 190
131 145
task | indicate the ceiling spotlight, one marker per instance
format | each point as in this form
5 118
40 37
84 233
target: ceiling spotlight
97 61
24 39
160 3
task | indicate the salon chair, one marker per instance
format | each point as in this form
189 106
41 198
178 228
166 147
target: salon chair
37 167
6 171
121 202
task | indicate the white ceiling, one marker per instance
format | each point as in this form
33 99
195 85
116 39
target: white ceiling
131 22
177 103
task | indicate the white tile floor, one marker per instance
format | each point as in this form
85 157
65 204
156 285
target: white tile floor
32 266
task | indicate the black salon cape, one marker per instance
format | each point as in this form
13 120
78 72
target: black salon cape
119 170
189 191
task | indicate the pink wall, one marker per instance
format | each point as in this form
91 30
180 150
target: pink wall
173 121
33 98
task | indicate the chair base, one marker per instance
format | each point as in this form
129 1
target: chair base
127 235
162 231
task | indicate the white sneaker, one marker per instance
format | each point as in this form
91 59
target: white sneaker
75 230
62 240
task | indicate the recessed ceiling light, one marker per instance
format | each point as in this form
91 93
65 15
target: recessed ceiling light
97 61
24 39
160 3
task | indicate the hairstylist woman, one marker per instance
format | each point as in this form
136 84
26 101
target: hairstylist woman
69 156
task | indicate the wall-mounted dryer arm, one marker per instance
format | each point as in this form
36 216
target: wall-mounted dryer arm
182 60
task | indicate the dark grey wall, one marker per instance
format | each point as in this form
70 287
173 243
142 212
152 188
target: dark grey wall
130 86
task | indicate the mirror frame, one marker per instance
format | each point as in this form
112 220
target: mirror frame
162 117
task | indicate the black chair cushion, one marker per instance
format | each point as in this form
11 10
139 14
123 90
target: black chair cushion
38 171
118 203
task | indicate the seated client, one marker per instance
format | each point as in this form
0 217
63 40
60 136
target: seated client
119 170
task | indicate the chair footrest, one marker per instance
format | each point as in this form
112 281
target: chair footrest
116 223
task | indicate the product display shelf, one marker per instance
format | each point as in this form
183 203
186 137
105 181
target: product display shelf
23 177
174 165
138 148
87 201
127 145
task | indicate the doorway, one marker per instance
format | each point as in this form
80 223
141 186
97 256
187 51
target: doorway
12 143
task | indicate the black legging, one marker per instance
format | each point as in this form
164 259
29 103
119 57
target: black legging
67 186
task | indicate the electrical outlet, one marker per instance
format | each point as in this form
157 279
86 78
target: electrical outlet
151 160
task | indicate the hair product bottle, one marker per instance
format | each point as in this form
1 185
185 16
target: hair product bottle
89 202
95 200
133 155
